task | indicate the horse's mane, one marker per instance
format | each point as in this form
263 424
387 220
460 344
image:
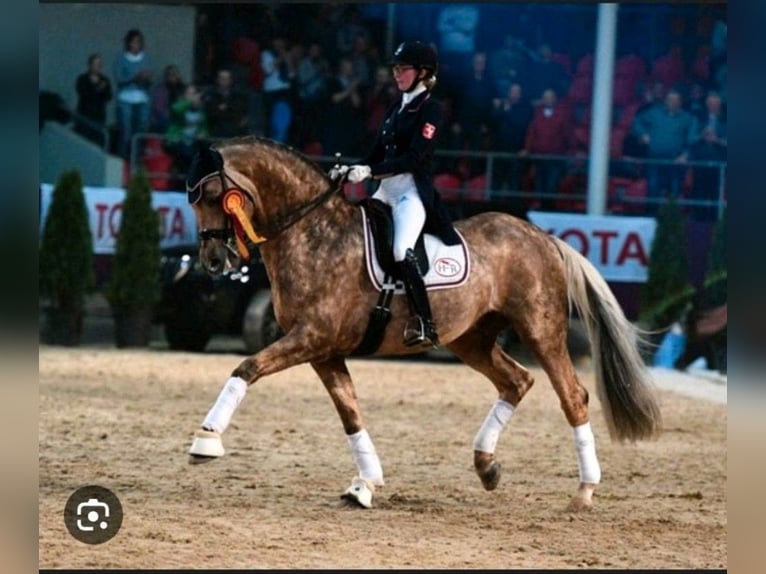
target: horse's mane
273 144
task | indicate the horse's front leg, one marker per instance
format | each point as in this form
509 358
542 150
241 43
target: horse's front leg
296 347
337 381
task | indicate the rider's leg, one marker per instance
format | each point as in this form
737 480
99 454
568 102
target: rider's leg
409 216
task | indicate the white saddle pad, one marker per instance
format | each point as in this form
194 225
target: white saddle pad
449 265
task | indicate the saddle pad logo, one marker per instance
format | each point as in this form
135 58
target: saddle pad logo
429 130
447 267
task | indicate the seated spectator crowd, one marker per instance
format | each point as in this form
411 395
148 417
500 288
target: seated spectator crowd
327 95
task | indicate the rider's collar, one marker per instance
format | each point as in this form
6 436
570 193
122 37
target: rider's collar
407 97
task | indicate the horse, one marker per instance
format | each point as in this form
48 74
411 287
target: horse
252 191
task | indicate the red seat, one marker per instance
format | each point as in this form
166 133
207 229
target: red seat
585 66
621 188
616 141
476 188
581 90
158 164
448 185
159 168
313 149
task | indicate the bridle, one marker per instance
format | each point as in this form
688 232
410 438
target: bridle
239 227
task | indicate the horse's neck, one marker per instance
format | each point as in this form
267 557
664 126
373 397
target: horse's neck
314 241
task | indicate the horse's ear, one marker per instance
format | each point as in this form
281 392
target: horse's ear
207 161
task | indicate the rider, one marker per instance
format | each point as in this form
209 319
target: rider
401 159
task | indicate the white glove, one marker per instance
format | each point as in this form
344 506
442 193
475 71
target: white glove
336 173
359 173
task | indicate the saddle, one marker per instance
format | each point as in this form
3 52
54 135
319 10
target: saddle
380 221
442 267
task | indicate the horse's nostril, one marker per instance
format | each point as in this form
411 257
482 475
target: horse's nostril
216 265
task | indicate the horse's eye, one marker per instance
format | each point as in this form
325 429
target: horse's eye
210 200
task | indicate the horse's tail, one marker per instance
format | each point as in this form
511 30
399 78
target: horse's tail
622 379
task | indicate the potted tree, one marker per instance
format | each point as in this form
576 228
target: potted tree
66 262
667 294
134 287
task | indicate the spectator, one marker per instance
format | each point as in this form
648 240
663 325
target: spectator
279 73
188 124
710 145
508 65
311 79
164 96
364 63
510 119
94 90
475 103
547 73
550 132
343 124
667 131
379 98
133 75
652 94
351 28
226 108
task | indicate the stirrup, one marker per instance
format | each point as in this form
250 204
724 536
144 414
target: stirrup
418 332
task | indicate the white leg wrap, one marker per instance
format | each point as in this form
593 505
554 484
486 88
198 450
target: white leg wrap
365 457
231 395
585 443
497 418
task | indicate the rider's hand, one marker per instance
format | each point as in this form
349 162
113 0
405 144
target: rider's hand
337 172
359 173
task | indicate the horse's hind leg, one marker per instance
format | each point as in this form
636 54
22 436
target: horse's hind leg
546 338
478 349
337 381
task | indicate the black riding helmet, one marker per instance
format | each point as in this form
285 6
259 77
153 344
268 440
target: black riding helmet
417 54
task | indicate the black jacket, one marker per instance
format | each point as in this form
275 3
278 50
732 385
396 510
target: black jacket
405 144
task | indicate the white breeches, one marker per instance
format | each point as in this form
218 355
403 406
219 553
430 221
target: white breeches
401 193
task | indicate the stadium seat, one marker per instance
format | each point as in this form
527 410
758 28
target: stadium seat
158 164
580 91
585 66
448 185
476 188
313 149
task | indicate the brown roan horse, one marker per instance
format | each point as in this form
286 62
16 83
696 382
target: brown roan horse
311 241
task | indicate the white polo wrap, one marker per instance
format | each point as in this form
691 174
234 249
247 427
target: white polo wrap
489 433
365 457
231 395
585 444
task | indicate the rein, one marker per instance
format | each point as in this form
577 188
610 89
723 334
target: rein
241 228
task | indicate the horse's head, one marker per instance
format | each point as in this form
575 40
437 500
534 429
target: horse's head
247 191
207 187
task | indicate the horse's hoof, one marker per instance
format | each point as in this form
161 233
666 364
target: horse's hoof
205 447
583 500
490 477
359 493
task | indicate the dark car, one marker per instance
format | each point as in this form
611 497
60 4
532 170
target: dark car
195 306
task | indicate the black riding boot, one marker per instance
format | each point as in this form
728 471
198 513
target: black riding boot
420 329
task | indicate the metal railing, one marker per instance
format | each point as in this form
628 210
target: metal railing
628 178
